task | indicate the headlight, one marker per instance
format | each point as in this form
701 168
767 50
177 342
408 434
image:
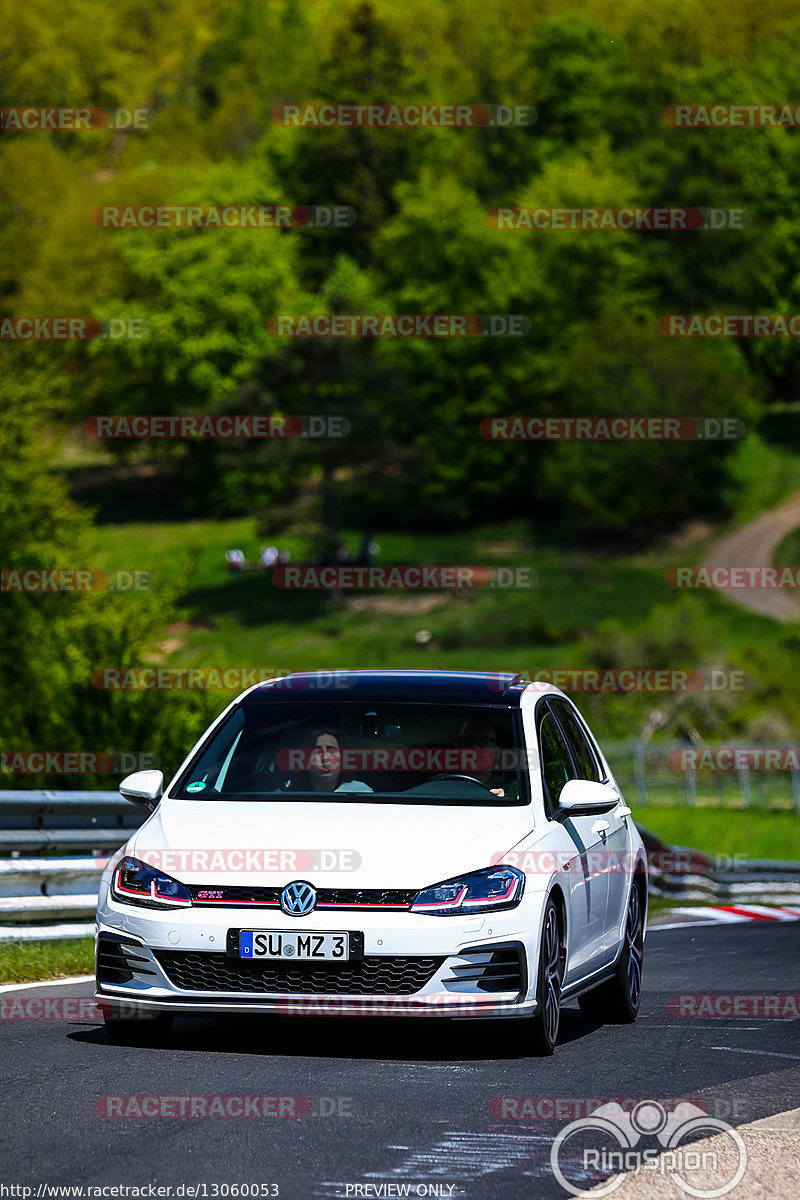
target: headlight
134 882
482 891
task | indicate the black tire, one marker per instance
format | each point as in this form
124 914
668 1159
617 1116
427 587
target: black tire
617 1001
136 1031
543 1025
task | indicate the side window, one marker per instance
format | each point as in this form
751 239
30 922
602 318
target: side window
576 738
557 768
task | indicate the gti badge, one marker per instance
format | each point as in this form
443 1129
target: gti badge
298 898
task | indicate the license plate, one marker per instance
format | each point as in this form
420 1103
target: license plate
317 947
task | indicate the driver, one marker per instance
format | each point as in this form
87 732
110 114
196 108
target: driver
324 772
477 733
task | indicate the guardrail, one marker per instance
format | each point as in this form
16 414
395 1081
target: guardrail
49 898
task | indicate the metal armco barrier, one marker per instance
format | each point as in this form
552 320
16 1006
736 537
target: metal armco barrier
52 897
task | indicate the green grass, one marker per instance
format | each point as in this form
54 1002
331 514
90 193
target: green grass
750 832
764 474
23 962
247 621
788 552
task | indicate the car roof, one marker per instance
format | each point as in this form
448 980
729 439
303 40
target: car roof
430 687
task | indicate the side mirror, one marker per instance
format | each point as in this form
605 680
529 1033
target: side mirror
143 787
582 797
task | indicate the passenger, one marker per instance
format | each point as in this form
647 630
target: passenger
477 734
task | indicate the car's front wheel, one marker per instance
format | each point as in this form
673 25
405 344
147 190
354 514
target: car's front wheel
617 1001
552 962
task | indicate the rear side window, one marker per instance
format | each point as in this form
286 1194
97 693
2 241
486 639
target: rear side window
582 752
557 768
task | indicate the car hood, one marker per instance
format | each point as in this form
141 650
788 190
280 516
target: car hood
354 845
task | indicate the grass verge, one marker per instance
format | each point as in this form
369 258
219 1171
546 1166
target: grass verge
750 832
27 962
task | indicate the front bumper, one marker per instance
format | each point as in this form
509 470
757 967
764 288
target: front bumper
151 961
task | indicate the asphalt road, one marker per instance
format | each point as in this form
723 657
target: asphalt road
438 1106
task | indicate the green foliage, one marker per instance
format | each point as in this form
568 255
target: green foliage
210 75
55 643
621 368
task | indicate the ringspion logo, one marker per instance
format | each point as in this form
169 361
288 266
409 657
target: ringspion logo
612 1144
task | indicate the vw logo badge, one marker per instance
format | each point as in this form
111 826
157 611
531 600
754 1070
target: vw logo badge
298 898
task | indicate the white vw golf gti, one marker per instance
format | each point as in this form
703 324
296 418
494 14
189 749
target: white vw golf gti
424 843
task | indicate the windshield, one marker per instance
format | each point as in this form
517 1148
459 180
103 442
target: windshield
345 751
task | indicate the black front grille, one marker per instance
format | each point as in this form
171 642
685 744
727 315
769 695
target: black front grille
354 898
118 960
361 897
198 971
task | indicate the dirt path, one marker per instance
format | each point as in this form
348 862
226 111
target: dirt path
754 545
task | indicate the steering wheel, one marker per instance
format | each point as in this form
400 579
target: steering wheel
469 778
